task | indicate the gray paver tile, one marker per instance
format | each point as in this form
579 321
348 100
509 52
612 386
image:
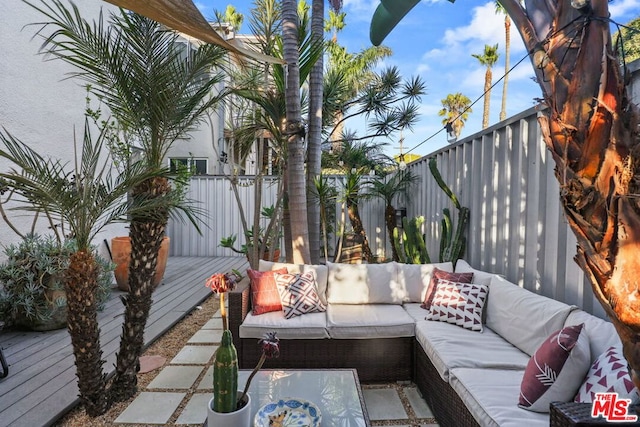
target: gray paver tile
420 407
206 336
196 410
194 355
217 315
151 408
384 404
215 323
176 377
207 381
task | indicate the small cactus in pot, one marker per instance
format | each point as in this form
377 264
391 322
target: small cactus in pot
226 398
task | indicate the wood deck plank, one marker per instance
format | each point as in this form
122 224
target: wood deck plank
41 386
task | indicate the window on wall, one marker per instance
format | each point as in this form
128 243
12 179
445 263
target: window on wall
195 166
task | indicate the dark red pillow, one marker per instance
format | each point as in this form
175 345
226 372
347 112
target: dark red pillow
264 292
438 274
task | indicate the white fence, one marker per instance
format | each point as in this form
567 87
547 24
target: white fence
505 176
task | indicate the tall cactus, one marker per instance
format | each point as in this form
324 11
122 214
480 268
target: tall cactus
452 244
225 376
410 245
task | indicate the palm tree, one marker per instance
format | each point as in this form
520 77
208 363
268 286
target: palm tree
86 198
231 16
335 23
389 187
356 158
488 58
456 108
507 56
136 68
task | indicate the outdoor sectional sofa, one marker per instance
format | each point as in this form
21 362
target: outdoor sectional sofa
374 322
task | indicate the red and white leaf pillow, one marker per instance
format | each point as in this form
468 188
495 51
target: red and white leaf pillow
459 303
298 294
556 370
609 373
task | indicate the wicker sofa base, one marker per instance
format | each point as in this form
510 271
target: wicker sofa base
377 360
444 402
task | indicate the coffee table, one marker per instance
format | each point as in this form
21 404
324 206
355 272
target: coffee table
336 392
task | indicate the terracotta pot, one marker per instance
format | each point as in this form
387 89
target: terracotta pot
121 253
274 258
239 418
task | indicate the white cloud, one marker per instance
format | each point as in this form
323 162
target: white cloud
620 8
360 9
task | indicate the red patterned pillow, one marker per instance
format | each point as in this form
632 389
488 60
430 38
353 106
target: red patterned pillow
264 293
443 275
608 374
299 294
556 370
459 303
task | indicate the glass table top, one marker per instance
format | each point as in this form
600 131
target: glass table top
335 392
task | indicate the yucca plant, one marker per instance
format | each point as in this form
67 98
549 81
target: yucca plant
157 96
86 197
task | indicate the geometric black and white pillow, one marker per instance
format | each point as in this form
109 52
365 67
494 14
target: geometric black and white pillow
459 303
298 294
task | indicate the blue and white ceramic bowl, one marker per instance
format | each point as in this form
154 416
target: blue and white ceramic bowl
288 412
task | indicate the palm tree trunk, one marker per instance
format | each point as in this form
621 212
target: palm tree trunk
390 220
314 136
82 320
590 127
487 98
146 237
507 55
295 131
358 229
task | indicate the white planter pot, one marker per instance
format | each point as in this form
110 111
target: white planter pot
239 418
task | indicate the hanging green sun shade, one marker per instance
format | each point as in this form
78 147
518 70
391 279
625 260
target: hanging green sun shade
387 16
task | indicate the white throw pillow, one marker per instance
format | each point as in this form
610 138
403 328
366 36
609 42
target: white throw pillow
415 278
459 303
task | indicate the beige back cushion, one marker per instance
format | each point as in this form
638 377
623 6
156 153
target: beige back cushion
415 278
364 284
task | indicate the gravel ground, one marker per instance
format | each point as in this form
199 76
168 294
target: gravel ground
168 346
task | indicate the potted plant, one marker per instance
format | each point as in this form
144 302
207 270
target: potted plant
121 255
230 406
32 290
267 239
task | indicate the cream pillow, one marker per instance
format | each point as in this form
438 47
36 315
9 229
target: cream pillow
364 284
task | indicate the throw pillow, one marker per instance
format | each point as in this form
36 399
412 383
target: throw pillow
443 275
298 294
264 292
459 303
556 370
609 373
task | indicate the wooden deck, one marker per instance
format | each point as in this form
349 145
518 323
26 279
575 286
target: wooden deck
41 385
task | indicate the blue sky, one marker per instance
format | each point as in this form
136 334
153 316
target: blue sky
436 40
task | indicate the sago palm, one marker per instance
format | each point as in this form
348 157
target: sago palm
86 197
157 96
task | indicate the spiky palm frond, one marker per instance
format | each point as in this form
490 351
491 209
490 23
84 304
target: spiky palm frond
139 70
87 196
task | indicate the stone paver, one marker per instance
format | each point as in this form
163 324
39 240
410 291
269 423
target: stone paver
194 355
151 408
420 407
384 404
206 336
215 323
207 381
176 377
196 410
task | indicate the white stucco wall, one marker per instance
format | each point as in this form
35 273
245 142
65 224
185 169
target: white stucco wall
37 104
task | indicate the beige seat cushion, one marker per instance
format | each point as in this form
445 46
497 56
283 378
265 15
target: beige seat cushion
415 311
307 326
348 321
450 346
492 397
